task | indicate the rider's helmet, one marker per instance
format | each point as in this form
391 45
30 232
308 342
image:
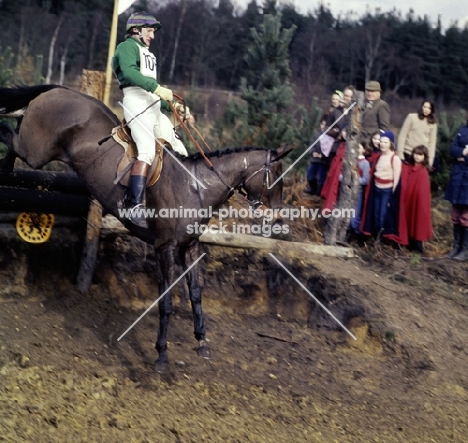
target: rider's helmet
142 20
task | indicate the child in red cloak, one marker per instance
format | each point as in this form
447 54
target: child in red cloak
417 198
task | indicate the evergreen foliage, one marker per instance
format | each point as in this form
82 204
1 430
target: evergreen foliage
264 118
316 54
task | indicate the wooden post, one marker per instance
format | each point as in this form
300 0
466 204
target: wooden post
336 227
92 83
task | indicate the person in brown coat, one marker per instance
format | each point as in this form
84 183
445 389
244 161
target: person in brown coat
376 114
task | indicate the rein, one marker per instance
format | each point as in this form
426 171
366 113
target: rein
266 167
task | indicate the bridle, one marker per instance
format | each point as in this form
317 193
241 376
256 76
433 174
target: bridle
266 169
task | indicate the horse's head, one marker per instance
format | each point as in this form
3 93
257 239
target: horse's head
264 186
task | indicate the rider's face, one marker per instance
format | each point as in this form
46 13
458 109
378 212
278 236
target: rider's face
147 35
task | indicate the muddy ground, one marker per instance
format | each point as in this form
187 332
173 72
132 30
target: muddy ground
282 369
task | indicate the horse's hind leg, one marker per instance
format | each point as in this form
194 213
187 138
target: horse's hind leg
7 134
166 260
193 283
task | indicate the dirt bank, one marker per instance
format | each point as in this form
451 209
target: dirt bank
282 370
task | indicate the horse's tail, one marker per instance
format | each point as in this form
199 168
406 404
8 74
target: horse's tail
18 97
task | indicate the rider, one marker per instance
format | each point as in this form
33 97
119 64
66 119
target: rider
135 68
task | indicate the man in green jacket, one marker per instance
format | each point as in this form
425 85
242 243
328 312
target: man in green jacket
136 70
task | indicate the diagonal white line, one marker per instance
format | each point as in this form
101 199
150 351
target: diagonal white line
167 150
313 296
313 144
162 295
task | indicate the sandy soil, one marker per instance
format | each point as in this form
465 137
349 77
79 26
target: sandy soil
65 377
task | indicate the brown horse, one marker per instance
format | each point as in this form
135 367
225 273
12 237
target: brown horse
62 124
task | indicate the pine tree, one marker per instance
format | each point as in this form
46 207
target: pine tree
264 119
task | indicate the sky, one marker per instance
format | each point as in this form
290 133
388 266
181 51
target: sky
449 11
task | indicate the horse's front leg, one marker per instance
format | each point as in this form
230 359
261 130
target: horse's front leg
7 134
194 287
166 261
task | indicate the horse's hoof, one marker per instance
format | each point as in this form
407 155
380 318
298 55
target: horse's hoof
204 351
162 367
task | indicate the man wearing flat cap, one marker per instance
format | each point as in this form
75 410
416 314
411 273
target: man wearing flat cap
376 114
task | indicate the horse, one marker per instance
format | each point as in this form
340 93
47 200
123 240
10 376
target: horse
58 123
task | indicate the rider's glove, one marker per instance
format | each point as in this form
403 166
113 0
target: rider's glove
180 109
164 93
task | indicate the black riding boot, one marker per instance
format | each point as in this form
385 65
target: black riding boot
457 240
463 252
137 187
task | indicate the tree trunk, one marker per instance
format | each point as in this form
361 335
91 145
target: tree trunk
92 83
176 42
52 50
372 53
336 227
63 62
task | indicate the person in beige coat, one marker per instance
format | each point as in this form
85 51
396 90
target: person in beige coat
419 129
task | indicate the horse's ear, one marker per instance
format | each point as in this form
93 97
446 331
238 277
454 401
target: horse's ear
281 152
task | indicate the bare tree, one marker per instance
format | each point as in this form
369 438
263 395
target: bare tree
63 61
177 38
373 40
53 41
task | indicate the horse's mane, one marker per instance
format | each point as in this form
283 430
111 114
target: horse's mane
219 153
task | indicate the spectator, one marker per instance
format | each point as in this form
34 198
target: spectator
373 148
457 194
334 124
376 114
318 166
417 198
419 129
374 143
383 213
363 171
350 96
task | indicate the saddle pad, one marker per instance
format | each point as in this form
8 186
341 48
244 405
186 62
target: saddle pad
123 138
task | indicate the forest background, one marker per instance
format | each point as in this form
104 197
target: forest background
222 57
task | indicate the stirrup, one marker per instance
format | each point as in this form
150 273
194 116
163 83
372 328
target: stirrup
136 216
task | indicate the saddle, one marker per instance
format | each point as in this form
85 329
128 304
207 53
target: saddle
122 135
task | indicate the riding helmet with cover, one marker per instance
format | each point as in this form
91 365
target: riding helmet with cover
142 20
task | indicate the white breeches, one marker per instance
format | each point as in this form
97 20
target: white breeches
148 126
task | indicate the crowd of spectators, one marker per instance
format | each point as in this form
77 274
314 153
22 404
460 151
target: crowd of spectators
394 196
